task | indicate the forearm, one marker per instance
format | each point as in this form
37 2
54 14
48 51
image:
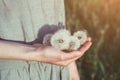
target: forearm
73 67
13 50
41 53
73 71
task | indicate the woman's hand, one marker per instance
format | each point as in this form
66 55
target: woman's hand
38 52
73 71
48 54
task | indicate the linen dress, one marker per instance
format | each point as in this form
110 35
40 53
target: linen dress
23 21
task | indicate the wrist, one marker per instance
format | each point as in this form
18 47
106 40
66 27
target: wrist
33 53
28 53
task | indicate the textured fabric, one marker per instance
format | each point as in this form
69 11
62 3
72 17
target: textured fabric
21 70
23 20
26 17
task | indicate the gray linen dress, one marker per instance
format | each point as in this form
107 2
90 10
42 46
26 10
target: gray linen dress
22 20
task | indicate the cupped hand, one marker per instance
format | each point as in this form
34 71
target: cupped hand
48 54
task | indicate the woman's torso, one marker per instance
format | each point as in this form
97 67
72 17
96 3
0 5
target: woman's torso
21 20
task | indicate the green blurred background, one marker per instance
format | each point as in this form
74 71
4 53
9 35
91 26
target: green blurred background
101 18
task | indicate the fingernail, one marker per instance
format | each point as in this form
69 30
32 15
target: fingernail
90 44
89 39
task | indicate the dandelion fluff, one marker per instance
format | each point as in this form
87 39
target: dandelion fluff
61 39
47 38
63 31
81 35
74 43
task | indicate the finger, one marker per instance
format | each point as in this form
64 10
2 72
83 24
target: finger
75 54
89 39
66 62
69 55
69 60
85 47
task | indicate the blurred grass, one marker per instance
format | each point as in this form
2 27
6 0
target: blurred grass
101 18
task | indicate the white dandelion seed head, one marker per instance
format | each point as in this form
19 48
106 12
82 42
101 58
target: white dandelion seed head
74 43
81 35
63 31
61 39
47 38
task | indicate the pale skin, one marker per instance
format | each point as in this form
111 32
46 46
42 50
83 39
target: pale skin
73 71
47 54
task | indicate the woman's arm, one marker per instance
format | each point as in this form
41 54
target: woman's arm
13 50
46 54
73 71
